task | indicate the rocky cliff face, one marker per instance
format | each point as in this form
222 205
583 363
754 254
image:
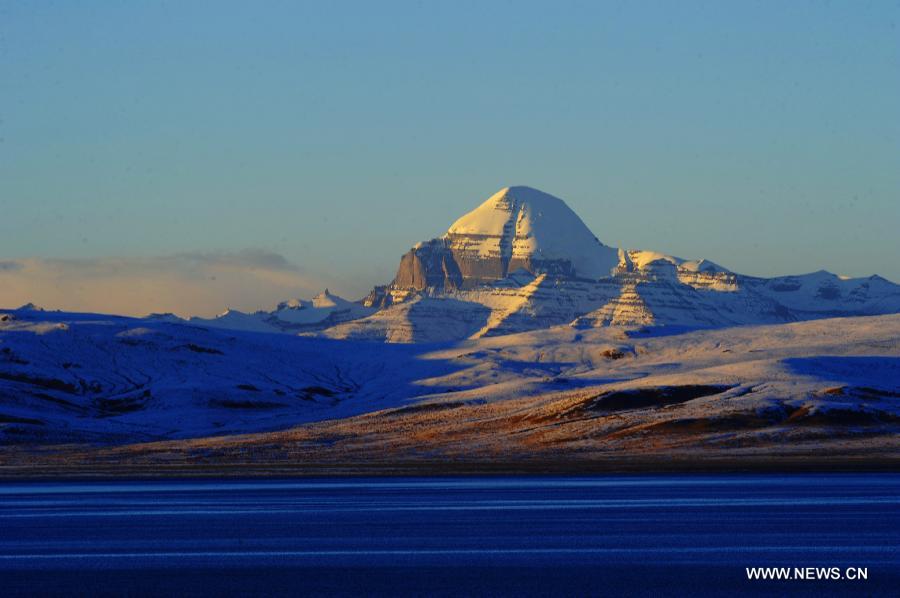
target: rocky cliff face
433 264
517 228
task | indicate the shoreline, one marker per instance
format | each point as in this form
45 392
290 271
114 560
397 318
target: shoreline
463 469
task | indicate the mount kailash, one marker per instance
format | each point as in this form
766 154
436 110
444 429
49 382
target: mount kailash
523 260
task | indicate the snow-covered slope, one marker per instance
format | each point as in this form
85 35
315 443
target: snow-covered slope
823 292
825 388
233 319
325 309
86 377
294 315
422 319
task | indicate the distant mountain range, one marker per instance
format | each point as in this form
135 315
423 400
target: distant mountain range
523 260
294 315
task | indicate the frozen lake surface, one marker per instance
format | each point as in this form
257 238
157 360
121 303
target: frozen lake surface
639 534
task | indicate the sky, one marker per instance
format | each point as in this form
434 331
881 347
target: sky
191 156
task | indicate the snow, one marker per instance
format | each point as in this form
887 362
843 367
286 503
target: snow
293 304
634 288
290 316
824 291
107 379
233 319
652 289
523 222
422 320
323 306
642 259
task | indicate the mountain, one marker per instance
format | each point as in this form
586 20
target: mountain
517 228
92 377
103 392
523 260
547 345
292 316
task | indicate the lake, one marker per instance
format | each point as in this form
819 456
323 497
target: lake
600 535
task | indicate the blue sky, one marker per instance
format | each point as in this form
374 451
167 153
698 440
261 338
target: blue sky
762 135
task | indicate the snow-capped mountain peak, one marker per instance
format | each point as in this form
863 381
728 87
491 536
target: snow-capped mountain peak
517 228
295 303
523 260
527 227
326 299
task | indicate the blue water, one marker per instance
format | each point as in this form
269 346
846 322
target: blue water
605 535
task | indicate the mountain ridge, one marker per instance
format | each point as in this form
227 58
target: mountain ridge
523 260
511 261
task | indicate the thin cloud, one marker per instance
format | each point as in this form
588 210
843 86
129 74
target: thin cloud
190 283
